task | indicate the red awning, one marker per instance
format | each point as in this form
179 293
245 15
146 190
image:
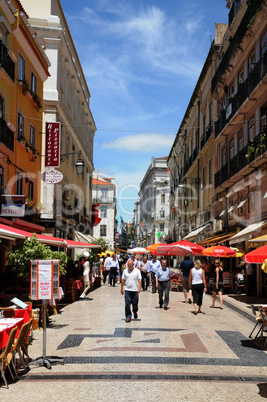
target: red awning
21 233
51 241
79 244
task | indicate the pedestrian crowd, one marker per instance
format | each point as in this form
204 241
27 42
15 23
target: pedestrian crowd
134 274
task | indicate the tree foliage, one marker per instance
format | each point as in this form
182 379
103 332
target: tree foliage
94 257
19 259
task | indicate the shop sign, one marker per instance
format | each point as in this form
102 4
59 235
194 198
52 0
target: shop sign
13 205
52 176
52 144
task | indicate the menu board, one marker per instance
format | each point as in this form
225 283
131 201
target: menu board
44 279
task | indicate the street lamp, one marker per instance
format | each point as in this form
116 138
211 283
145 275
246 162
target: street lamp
79 164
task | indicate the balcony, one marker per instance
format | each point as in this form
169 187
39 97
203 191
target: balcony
205 137
233 11
236 40
249 153
7 64
244 91
104 200
6 135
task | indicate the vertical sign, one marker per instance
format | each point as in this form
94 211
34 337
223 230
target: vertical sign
44 279
52 144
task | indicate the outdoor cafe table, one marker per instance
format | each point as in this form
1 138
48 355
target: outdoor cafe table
78 284
25 313
6 325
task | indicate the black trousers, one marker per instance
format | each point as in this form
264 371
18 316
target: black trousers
112 276
145 280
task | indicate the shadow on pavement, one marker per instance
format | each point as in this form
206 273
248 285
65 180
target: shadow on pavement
262 390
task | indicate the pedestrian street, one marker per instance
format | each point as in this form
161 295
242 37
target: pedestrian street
163 355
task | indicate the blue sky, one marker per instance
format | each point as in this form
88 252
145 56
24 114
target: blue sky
141 60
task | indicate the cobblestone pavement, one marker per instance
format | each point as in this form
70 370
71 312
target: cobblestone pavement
161 356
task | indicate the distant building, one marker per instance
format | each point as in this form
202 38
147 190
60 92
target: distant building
151 213
104 199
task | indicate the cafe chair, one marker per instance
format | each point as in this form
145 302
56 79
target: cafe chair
6 356
228 284
69 291
264 324
259 321
19 344
8 312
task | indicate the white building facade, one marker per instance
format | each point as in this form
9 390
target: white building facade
151 213
104 197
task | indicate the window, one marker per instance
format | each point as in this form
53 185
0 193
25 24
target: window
251 129
251 200
241 77
103 212
251 62
210 171
19 184
161 227
204 124
263 118
67 147
103 230
231 149
240 140
2 104
1 180
210 113
20 133
264 44
73 155
204 178
31 190
21 67
223 160
162 196
32 136
33 83
104 193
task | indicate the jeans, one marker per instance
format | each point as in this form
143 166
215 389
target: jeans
164 288
130 298
145 280
112 276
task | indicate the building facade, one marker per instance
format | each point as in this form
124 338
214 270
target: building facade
104 198
67 205
151 213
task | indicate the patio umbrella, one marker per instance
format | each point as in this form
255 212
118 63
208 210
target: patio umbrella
153 247
138 250
186 245
257 256
239 252
219 251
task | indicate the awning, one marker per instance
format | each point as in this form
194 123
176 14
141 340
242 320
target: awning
195 232
246 233
78 244
215 239
9 235
51 241
259 239
86 238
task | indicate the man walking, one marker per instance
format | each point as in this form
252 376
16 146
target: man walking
131 287
106 267
143 265
114 270
154 265
163 284
185 267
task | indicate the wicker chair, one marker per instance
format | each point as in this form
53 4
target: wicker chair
6 356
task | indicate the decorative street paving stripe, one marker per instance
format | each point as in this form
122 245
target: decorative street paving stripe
239 311
191 342
73 340
247 353
156 340
141 377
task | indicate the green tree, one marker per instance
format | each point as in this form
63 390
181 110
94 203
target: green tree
94 257
19 259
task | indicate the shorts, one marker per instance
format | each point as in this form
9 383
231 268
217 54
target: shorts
185 284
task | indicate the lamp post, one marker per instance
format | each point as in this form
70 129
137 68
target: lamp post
79 164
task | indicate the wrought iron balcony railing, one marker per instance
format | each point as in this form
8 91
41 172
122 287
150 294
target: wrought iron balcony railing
6 135
6 62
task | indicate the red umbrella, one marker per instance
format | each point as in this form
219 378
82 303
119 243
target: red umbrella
153 247
180 247
219 251
257 256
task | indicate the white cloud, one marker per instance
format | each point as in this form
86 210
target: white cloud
146 142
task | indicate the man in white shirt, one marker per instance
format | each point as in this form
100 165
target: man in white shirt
153 267
131 287
107 267
114 269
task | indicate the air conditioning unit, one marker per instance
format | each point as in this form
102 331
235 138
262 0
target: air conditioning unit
217 225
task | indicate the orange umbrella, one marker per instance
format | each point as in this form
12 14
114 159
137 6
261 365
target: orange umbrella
153 247
219 251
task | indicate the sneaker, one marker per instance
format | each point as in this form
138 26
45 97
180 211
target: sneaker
135 315
128 320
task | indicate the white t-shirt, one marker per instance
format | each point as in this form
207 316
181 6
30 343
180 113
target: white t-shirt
197 276
131 279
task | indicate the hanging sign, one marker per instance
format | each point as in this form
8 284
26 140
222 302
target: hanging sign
52 144
52 176
13 205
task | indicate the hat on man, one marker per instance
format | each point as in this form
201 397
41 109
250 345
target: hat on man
86 254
